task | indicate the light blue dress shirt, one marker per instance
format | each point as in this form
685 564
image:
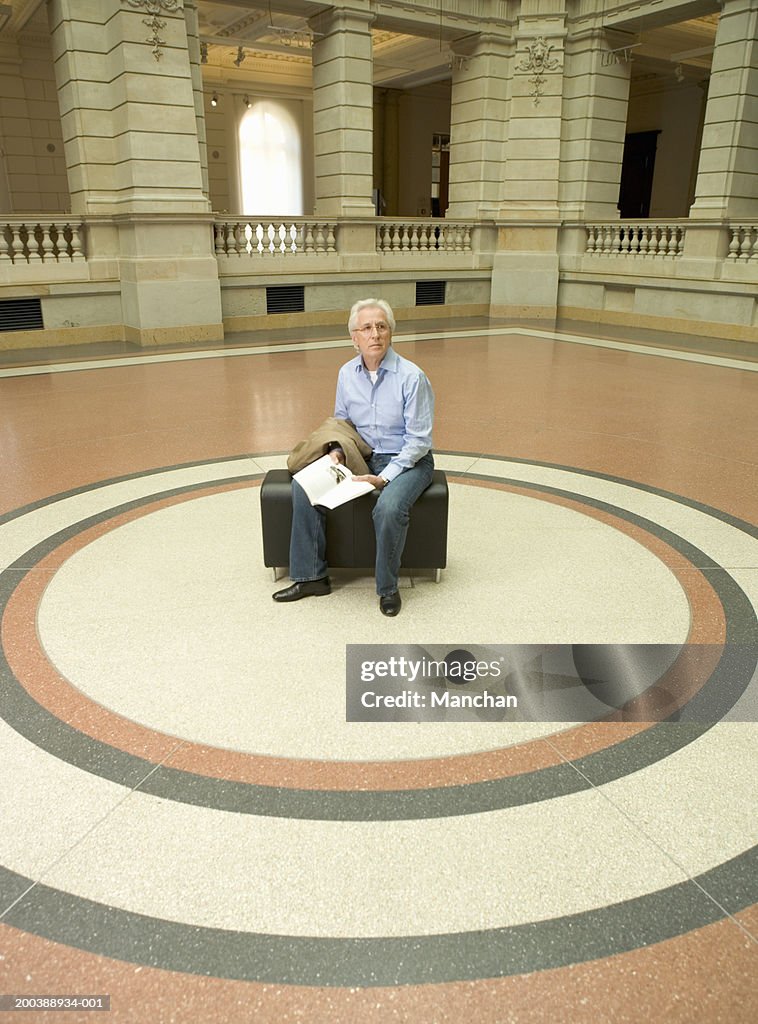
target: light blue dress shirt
394 415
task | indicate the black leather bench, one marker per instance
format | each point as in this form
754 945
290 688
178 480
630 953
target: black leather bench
350 540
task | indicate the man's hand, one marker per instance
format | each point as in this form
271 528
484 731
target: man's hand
337 455
376 481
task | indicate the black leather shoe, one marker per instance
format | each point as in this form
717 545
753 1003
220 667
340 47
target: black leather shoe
390 603
308 588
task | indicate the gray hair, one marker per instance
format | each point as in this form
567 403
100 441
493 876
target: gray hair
366 304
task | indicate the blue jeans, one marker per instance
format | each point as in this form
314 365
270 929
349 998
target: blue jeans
391 516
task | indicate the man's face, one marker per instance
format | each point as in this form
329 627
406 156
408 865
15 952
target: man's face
372 335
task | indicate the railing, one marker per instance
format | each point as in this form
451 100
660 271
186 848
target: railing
27 242
635 239
276 237
743 243
423 236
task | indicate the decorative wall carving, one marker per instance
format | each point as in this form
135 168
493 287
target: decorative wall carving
154 23
539 61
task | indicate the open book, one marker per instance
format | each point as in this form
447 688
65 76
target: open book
330 484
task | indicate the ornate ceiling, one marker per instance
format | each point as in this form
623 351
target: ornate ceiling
401 60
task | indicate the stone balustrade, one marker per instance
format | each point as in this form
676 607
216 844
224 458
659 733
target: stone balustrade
441 236
743 243
640 239
31 242
276 237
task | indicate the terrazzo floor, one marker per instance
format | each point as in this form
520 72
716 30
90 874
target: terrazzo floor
190 826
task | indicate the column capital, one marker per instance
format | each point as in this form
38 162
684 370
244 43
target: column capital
336 19
489 41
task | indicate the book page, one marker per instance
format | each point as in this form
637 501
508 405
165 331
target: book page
329 483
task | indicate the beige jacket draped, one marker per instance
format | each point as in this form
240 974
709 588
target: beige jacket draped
332 430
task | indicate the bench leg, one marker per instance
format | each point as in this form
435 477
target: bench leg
437 575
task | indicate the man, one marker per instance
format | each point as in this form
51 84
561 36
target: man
391 404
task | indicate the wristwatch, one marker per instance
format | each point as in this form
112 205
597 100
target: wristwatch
384 478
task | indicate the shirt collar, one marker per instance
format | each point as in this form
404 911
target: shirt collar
390 362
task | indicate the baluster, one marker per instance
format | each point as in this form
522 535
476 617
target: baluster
746 247
589 244
281 232
47 245
406 238
467 228
229 228
753 253
616 240
33 245
744 243
218 235
17 245
4 247
77 244
625 243
678 241
644 240
269 238
734 244
240 241
320 238
309 243
414 238
426 237
298 236
666 239
395 237
331 237
379 238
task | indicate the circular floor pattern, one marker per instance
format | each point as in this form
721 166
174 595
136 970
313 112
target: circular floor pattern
705 538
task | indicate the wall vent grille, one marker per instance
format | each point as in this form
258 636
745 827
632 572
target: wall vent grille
21 315
289 298
430 293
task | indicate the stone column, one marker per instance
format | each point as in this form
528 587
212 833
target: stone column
130 131
727 180
343 112
193 47
595 105
525 266
390 152
478 124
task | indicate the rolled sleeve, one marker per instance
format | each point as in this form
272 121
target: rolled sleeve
418 416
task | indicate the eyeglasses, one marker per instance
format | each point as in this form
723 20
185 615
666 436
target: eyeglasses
381 328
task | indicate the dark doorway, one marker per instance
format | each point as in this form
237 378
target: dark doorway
637 174
440 174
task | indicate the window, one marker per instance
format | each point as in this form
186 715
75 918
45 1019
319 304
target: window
270 161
